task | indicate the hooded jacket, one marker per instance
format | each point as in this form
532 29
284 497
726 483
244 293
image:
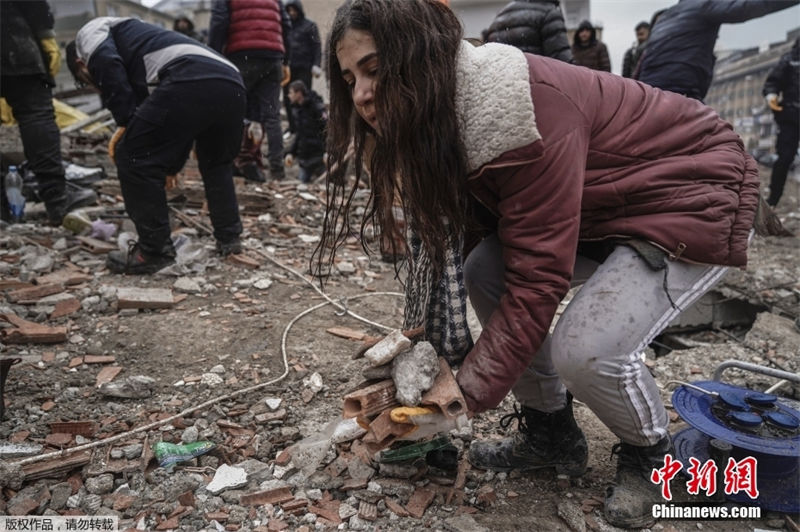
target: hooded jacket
23 24
593 54
533 26
680 51
600 157
310 121
784 79
305 42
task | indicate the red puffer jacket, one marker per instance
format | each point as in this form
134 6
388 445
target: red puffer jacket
617 158
254 25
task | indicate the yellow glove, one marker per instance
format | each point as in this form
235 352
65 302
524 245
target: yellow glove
411 414
772 101
287 75
112 144
53 52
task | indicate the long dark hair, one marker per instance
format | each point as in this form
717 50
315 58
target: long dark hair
419 158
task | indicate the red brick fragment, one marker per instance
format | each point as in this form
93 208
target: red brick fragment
275 525
367 511
273 496
168 524
326 513
58 439
395 507
23 507
419 502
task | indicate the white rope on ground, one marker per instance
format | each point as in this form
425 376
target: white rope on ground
326 296
210 402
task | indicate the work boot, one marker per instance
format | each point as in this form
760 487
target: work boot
277 172
138 262
630 499
252 172
233 247
545 439
59 204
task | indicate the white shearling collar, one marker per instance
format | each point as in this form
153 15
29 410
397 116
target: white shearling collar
493 102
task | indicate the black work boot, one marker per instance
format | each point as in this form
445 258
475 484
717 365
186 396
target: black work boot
138 262
629 501
233 247
252 172
544 440
60 203
276 172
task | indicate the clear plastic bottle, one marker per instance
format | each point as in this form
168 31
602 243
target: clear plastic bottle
16 201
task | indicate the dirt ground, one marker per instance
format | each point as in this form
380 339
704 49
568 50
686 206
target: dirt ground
230 321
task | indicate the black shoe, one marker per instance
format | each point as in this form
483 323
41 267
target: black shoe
277 173
544 440
234 247
73 197
629 501
137 262
253 173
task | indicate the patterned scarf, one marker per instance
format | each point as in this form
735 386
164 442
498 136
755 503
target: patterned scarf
439 304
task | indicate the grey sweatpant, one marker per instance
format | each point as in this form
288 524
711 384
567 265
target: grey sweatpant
595 348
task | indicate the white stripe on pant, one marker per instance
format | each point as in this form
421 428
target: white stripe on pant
595 348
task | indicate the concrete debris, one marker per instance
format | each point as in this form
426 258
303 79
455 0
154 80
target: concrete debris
227 478
387 349
413 373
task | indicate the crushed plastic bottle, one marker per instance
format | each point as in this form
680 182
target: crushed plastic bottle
16 201
169 454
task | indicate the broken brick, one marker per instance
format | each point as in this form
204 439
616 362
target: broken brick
144 298
98 359
65 307
485 495
58 439
326 513
34 293
419 502
396 507
445 392
371 399
186 499
28 332
168 524
48 405
273 496
217 516
75 362
23 507
123 502
276 525
295 506
367 511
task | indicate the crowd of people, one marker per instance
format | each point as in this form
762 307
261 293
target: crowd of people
521 167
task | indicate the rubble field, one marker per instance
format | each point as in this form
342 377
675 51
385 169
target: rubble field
247 354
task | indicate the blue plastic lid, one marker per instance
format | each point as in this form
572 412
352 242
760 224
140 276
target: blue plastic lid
746 419
761 399
786 421
733 400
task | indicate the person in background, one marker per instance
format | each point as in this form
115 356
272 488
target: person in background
306 53
633 53
310 121
782 93
30 60
533 26
167 92
184 25
587 50
254 35
546 175
679 56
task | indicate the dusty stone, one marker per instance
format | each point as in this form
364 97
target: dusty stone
463 523
572 514
59 495
187 286
346 430
190 434
413 373
100 485
387 349
133 451
227 477
377 373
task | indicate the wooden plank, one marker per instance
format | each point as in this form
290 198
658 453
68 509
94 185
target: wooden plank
56 467
132 297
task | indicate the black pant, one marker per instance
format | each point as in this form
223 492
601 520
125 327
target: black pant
304 75
157 142
786 144
32 101
262 77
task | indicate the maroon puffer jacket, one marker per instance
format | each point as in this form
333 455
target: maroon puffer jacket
617 159
254 25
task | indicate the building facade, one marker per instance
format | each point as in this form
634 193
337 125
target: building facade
736 95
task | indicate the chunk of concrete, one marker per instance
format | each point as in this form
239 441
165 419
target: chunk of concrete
227 478
414 372
387 349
